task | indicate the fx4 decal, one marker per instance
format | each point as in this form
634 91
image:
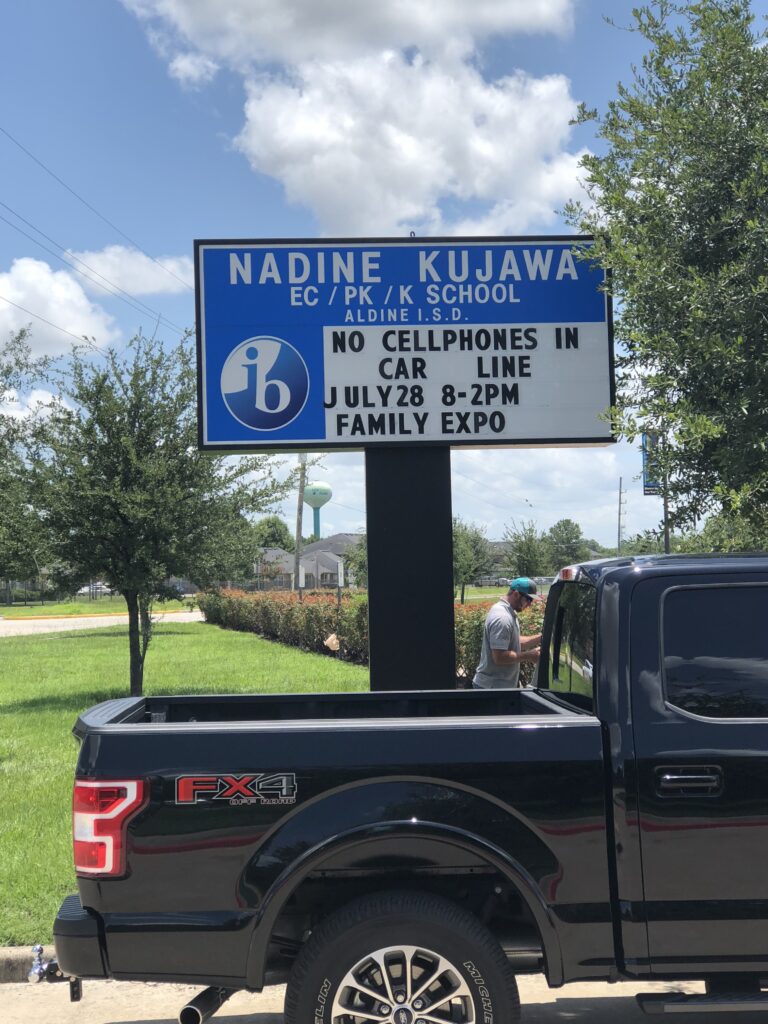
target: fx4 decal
275 788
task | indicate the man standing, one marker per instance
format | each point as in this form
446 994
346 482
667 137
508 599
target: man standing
504 650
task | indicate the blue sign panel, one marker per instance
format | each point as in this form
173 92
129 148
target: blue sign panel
651 481
346 344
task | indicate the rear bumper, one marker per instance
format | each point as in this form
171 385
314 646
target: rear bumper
77 937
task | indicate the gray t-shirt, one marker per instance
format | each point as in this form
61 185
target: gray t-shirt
501 633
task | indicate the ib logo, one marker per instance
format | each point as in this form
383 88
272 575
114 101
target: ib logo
265 383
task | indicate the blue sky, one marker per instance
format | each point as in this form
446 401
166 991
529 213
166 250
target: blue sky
181 119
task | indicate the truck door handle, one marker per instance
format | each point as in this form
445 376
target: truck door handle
690 780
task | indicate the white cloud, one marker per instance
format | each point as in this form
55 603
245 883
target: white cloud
192 69
244 32
377 144
377 117
551 181
133 272
54 296
19 406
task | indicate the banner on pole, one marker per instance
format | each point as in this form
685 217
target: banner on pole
651 480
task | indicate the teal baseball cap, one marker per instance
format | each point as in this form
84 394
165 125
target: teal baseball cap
524 585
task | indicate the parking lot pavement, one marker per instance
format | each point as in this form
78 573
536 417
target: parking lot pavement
122 1002
23 627
110 1002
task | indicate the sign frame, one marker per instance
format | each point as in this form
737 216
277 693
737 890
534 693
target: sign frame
263 444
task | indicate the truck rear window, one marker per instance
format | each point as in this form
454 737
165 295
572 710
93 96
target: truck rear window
568 665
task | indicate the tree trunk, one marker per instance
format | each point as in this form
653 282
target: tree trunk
145 623
134 643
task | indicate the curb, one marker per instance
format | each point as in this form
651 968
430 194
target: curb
16 961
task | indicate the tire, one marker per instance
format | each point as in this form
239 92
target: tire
401 958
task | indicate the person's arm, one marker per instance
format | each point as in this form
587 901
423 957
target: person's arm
512 657
526 642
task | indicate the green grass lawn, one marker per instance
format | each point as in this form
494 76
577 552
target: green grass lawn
105 605
489 593
481 593
46 680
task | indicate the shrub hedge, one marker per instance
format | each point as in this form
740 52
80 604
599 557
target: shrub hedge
308 623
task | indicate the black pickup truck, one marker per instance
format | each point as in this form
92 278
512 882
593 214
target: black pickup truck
398 858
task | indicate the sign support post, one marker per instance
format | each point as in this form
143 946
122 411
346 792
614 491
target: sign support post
410 568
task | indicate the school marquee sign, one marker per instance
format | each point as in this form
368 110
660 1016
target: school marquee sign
349 344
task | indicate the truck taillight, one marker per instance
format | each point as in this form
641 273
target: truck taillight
100 815
570 572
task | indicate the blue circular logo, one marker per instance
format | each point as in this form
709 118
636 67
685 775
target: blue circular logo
265 383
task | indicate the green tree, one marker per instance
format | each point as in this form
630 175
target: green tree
527 550
565 544
679 207
472 554
356 562
598 550
649 542
23 538
24 547
124 490
272 532
729 532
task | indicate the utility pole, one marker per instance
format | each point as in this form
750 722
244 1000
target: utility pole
655 478
666 516
621 512
665 494
299 518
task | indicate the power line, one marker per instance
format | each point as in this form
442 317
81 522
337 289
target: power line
350 507
71 256
477 497
37 316
91 208
114 289
504 508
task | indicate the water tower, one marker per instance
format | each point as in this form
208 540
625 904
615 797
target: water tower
316 495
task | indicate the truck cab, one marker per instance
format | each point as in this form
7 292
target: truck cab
671 654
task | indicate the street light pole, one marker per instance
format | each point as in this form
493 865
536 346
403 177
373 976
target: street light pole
299 518
621 507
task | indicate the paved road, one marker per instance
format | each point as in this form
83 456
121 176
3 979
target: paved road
23 627
110 1002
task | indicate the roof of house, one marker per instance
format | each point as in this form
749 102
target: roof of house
339 543
320 561
314 559
277 558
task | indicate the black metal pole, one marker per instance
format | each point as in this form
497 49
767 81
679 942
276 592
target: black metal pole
666 518
410 568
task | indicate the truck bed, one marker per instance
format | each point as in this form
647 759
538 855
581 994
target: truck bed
359 707
420 788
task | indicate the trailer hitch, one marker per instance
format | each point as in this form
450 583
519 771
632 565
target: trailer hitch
49 970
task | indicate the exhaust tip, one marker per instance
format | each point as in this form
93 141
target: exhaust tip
204 1005
190 1015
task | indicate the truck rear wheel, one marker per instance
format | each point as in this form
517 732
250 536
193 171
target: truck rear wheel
402 958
